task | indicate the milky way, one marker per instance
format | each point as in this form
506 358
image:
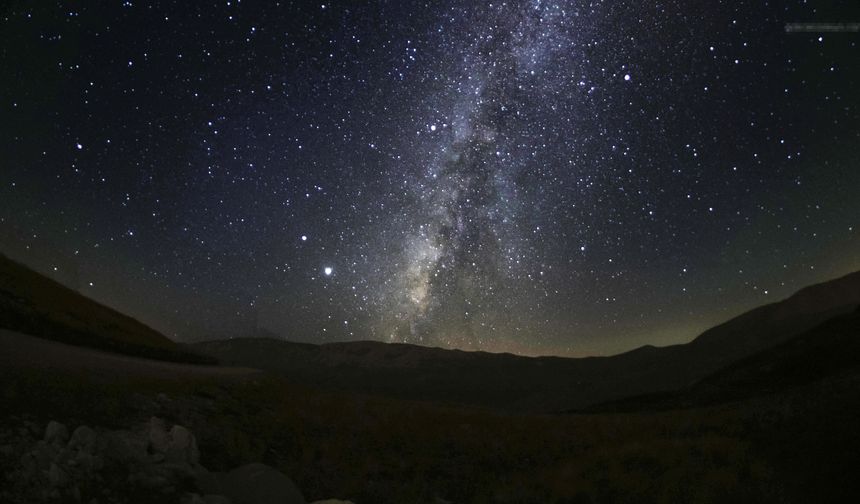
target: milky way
531 176
461 265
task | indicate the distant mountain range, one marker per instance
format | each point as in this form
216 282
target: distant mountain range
804 337
545 384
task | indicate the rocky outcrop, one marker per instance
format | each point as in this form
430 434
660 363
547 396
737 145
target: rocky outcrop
156 461
101 465
56 432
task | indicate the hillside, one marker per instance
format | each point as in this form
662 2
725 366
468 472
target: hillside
828 351
546 384
832 348
34 304
772 324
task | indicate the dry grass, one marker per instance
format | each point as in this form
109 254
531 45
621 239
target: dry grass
376 450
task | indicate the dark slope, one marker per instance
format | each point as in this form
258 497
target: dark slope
832 348
33 304
679 366
829 350
772 324
545 383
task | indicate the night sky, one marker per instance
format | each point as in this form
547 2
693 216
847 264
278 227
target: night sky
539 177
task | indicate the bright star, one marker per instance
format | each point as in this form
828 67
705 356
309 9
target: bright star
327 270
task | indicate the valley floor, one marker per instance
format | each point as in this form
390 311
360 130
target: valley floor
798 446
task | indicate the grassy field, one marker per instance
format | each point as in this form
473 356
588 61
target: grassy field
792 447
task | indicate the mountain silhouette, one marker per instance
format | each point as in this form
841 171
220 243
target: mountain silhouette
546 384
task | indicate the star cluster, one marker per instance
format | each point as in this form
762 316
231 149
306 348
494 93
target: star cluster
566 177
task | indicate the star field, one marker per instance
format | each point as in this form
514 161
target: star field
541 177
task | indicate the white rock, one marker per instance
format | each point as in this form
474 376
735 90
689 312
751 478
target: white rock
182 447
29 465
56 432
56 476
85 461
44 454
83 438
180 437
159 439
124 447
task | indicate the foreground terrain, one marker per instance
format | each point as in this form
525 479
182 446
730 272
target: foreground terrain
780 443
776 425
793 446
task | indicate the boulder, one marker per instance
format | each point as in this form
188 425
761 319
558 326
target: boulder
182 447
56 476
56 432
159 439
83 438
124 447
85 461
181 438
28 464
63 456
260 484
44 454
